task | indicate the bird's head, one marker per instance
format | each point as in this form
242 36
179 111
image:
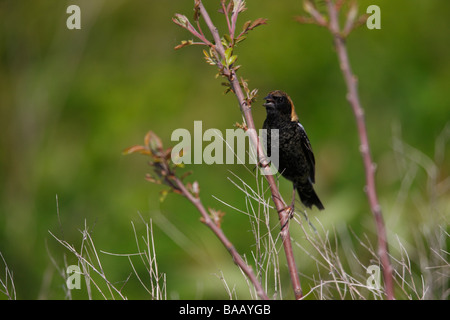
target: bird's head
278 102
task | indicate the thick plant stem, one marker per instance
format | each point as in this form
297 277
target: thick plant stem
282 210
353 99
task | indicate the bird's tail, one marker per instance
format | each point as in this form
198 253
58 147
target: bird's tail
308 196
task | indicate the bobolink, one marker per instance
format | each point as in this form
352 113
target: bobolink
296 158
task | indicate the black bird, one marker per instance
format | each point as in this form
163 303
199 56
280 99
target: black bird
296 158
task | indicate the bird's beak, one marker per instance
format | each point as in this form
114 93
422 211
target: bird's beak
270 103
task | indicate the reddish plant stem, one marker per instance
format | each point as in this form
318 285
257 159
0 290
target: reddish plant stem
353 99
283 214
282 210
206 219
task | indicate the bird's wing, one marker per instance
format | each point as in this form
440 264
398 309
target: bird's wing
307 150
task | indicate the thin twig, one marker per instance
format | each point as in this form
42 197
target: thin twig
165 173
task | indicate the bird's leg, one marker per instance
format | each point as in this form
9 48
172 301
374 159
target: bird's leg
291 215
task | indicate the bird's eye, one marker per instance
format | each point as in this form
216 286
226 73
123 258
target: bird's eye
280 99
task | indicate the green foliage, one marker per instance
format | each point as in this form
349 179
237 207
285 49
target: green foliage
72 100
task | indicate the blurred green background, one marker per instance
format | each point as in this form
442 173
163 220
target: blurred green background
72 100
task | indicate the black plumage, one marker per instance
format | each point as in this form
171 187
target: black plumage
296 158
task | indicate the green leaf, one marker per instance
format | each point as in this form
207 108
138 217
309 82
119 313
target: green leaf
228 54
257 22
227 39
184 43
308 6
241 38
208 58
231 60
246 25
239 6
181 20
352 13
134 149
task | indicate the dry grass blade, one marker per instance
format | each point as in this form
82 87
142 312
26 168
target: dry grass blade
91 262
7 286
156 283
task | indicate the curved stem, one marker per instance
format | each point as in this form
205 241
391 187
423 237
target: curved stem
223 238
